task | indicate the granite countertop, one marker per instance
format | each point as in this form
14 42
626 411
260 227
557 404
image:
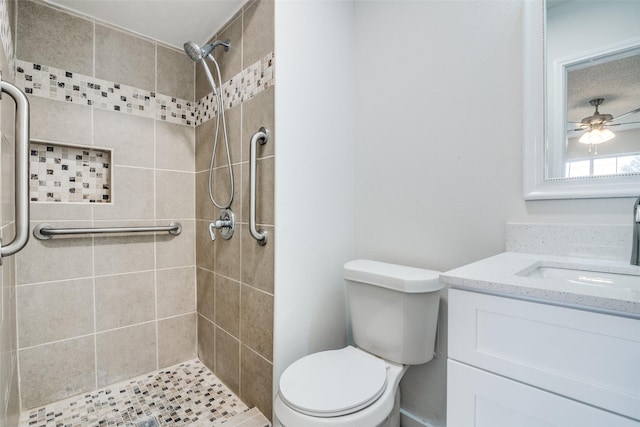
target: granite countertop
506 274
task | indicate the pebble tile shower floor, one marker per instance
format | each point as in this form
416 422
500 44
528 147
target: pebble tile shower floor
188 394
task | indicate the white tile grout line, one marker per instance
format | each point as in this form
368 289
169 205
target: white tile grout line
17 342
240 227
93 238
195 210
126 273
95 311
155 216
119 328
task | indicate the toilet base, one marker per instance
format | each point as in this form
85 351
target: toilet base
393 420
394 417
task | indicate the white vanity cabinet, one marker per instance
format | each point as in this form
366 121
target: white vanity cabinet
516 363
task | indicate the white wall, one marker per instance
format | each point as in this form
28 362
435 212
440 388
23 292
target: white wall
438 160
438 119
437 166
313 176
438 134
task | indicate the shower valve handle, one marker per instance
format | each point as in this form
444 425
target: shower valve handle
226 224
219 223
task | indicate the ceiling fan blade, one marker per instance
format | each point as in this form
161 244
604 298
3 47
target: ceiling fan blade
621 124
576 130
626 114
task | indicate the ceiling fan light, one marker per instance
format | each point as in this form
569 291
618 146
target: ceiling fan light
597 136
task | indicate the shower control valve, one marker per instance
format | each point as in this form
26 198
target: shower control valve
226 224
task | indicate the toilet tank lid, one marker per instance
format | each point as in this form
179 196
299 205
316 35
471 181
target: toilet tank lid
392 276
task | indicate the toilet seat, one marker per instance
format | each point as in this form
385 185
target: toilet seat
333 383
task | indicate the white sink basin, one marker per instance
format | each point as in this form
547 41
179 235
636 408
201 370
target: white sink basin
585 277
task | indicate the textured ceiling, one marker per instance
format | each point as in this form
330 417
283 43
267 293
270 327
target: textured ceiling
618 82
170 21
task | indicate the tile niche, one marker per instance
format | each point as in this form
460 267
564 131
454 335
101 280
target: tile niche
69 174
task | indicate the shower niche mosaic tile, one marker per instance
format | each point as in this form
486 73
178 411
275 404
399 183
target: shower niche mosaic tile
69 174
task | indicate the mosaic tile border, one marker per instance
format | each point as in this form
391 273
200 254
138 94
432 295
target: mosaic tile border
64 173
53 83
6 38
188 394
248 83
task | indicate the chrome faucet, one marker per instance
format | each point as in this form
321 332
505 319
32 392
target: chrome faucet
635 245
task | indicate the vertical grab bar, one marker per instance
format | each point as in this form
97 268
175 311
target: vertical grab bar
262 136
22 171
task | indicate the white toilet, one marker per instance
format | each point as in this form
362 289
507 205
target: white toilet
394 312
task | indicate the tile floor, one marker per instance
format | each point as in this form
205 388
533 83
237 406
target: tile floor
188 394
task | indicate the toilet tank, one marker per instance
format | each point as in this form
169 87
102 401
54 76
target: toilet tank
394 309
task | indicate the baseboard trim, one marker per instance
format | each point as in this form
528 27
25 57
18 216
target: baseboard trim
407 419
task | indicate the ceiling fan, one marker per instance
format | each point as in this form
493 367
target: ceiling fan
596 126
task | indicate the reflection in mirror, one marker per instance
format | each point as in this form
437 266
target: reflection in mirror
576 36
593 89
603 108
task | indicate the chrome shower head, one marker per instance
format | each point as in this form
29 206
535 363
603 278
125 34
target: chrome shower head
194 51
198 53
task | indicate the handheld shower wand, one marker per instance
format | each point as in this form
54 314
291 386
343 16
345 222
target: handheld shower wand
226 222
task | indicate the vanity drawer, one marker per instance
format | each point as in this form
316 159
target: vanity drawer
482 399
590 357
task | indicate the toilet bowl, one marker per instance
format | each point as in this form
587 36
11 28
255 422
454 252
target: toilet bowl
394 311
346 387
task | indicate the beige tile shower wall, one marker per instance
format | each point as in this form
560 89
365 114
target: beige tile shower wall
9 398
235 277
96 310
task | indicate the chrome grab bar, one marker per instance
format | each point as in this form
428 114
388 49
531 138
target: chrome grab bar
21 170
262 136
46 231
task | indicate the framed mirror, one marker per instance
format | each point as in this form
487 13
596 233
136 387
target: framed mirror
581 99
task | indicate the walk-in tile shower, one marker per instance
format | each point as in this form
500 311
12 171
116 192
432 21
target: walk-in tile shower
122 131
